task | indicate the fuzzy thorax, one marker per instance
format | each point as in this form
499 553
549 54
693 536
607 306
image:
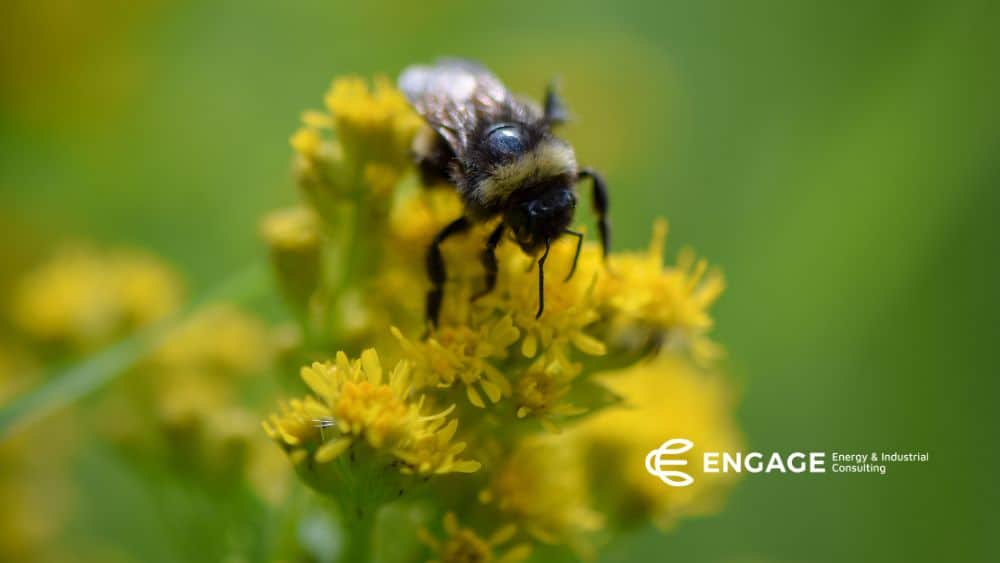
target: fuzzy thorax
551 158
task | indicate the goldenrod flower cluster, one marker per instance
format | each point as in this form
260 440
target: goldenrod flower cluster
190 393
79 299
83 298
197 368
355 401
504 416
181 424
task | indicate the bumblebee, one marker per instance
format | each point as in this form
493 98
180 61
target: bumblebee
499 152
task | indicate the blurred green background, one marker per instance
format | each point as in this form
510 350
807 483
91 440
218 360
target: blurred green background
837 159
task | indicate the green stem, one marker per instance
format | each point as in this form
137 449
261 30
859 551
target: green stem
359 528
358 254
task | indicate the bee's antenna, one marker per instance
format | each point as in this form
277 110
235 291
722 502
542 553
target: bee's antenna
555 110
541 280
576 256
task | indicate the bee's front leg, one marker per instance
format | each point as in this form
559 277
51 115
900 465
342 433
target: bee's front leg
489 259
541 280
600 202
576 255
436 270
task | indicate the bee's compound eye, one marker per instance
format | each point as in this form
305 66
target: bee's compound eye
505 140
536 208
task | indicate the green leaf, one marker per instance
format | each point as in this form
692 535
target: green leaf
70 383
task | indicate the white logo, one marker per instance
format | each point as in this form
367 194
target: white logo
656 463
664 461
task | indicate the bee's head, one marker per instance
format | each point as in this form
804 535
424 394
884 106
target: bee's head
541 216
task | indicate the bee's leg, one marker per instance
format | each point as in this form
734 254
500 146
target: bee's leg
489 259
435 267
600 207
576 256
541 280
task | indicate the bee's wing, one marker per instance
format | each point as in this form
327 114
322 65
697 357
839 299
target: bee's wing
456 97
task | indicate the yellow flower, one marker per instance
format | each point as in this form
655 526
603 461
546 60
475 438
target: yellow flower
571 307
648 304
541 486
298 423
360 146
294 238
432 451
465 355
83 297
186 397
292 229
464 545
307 142
666 397
221 338
354 402
417 217
372 124
199 368
541 391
